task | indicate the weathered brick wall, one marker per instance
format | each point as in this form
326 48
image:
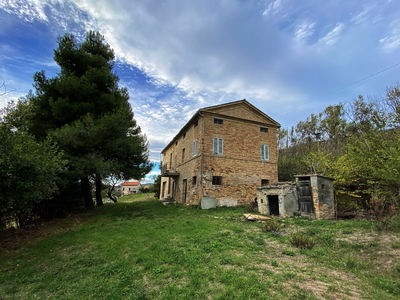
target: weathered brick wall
186 164
323 197
240 165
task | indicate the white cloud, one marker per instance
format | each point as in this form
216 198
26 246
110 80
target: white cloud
363 15
273 8
332 36
28 11
391 42
304 30
276 54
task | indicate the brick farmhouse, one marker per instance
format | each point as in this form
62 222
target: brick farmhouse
224 152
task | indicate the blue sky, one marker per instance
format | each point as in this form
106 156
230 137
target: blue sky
180 55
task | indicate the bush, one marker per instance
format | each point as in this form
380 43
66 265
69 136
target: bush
271 226
302 241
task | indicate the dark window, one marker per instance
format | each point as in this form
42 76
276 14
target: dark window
183 155
217 180
263 129
176 143
264 182
322 186
184 135
196 123
218 121
194 180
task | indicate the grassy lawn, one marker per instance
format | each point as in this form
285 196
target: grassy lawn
141 249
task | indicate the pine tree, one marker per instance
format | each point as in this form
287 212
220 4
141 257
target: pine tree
88 115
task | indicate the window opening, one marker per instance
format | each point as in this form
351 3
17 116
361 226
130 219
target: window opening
194 147
218 121
194 180
263 129
264 182
218 145
217 180
264 152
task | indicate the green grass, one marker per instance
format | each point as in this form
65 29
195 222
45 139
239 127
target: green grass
144 250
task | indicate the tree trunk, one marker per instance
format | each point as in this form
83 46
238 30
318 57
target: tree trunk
99 200
86 193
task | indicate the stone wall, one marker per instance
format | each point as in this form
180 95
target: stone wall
240 165
323 197
287 195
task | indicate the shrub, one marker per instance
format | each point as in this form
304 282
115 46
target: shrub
302 241
288 252
271 226
382 210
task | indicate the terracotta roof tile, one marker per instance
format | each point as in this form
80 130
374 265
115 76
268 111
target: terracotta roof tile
130 183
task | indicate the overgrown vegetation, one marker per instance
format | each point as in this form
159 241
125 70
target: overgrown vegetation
302 240
80 119
357 144
145 250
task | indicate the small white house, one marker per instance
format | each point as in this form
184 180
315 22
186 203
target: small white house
130 187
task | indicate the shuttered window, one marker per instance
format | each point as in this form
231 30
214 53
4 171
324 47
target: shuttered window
194 147
218 145
264 152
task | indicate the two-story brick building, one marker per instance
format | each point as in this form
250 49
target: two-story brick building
225 151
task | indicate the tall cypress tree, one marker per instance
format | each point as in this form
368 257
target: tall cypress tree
85 111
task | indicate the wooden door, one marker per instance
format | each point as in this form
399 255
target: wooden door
305 197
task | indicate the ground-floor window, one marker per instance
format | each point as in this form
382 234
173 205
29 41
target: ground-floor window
217 180
264 182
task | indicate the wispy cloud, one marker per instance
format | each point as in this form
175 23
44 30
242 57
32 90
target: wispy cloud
273 7
304 30
391 42
177 56
333 35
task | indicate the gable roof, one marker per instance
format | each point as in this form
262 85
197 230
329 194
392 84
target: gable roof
234 109
130 183
228 110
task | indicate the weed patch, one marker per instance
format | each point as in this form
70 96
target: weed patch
302 240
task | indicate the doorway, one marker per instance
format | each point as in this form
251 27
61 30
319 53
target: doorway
163 189
173 190
305 196
184 188
273 204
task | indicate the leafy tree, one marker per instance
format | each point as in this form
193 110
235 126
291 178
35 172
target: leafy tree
86 113
28 171
156 187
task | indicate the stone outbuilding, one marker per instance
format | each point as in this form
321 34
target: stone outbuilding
310 195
